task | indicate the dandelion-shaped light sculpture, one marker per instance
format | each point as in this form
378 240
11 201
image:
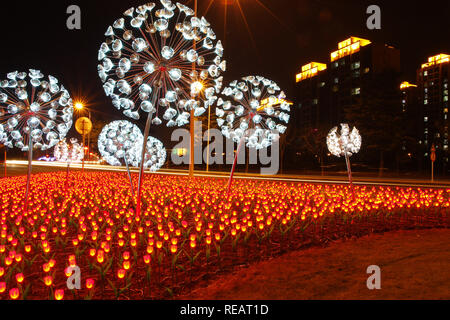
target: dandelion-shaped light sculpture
255 114
344 144
162 60
117 142
35 113
155 155
69 153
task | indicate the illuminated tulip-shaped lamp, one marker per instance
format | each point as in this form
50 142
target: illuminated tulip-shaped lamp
35 113
344 144
152 60
253 113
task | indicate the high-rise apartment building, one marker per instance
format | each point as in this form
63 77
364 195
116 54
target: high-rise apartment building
324 89
432 81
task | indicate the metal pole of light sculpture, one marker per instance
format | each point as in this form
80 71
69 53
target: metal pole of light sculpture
346 144
147 65
255 115
35 113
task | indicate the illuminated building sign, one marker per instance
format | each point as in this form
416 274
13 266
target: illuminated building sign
406 84
348 47
269 102
438 59
310 70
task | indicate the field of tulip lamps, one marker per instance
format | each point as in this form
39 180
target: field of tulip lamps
187 234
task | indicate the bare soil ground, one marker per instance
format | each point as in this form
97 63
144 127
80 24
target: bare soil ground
414 265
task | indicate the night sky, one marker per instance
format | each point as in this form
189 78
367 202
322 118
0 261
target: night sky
34 35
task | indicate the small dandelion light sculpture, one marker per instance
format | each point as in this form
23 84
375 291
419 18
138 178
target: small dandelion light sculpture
35 113
118 141
256 113
344 144
160 59
69 153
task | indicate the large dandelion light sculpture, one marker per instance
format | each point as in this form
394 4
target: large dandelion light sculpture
35 113
161 60
344 144
254 112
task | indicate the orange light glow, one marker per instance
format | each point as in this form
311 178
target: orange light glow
14 293
90 283
59 294
310 70
348 47
435 60
406 84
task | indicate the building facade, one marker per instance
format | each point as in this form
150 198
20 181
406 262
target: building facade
323 90
432 86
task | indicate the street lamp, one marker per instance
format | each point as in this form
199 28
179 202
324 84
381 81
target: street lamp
80 106
196 89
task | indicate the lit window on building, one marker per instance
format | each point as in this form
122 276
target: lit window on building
322 84
366 70
425 119
316 101
356 65
356 91
336 80
425 102
425 73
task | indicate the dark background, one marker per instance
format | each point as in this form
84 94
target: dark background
293 33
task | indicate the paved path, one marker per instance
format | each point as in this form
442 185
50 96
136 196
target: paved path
414 265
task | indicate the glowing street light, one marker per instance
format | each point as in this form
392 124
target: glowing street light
79 106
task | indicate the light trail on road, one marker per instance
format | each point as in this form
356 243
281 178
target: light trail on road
248 176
